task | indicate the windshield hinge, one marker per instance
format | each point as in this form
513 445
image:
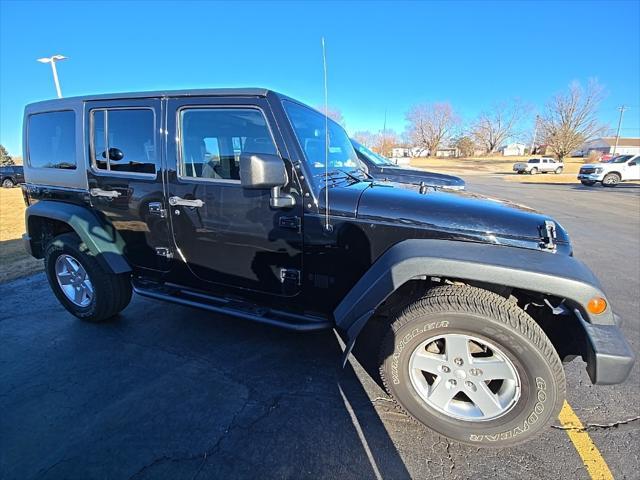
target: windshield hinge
290 275
549 235
290 223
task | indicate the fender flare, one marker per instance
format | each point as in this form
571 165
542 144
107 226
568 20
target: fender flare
533 270
100 236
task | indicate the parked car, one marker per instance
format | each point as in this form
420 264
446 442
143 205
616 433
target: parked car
383 169
11 175
230 201
539 165
619 169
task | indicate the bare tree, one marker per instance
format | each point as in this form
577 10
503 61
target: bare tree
5 158
494 127
465 145
570 118
365 137
430 125
333 113
385 141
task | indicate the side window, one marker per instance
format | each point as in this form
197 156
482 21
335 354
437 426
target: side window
213 139
51 140
123 140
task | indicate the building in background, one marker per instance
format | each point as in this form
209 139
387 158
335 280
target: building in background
513 149
606 145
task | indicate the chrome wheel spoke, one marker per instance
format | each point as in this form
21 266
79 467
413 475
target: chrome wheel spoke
428 362
485 399
494 369
441 393
65 278
457 347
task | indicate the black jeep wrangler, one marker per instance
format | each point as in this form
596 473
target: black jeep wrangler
251 204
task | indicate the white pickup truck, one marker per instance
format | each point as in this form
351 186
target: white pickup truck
539 165
619 169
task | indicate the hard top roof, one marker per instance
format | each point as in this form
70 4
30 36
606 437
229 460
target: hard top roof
205 92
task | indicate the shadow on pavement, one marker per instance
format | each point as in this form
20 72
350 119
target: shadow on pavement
172 392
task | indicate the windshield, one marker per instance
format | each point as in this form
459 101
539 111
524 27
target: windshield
620 159
309 127
374 157
534 160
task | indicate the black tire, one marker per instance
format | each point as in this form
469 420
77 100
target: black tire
534 171
112 292
460 309
588 183
8 183
611 180
519 172
558 171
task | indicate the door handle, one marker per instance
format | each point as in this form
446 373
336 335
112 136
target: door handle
98 192
174 201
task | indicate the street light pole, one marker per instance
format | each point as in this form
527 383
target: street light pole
615 147
52 60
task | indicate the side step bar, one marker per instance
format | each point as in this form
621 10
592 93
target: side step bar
277 318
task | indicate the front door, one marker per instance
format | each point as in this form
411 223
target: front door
228 236
632 170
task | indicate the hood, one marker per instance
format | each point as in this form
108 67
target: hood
594 165
415 177
459 215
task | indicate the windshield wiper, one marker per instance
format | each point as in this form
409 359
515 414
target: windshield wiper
333 173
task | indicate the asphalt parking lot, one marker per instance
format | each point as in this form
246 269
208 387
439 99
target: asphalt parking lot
172 392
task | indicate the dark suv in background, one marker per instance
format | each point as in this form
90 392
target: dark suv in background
11 175
384 170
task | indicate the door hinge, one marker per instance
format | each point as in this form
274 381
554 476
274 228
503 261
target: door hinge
290 223
155 208
290 275
164 252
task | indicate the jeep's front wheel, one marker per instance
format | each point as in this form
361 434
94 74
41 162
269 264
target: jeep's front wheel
82 285
473 367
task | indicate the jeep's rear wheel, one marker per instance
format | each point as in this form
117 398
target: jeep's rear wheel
82 285
473 367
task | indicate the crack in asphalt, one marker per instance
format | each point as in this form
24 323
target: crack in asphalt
214 449
593 426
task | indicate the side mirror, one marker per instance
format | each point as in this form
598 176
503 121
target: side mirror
262 171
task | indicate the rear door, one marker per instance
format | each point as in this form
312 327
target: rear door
227 235
125 175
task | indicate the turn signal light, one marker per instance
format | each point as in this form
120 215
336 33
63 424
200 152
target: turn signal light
597 305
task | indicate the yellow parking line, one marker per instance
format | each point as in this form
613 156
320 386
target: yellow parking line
589 453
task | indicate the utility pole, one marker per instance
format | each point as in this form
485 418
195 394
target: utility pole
52 60
622 108
535 134
384 133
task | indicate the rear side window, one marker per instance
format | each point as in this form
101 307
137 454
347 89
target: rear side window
212 140
123 140
51 140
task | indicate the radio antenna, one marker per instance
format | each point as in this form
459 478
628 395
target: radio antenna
327 225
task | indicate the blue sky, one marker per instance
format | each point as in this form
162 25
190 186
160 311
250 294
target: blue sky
380 55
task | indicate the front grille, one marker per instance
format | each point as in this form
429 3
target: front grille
587 171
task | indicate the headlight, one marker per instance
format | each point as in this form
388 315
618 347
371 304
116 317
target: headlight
599 170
